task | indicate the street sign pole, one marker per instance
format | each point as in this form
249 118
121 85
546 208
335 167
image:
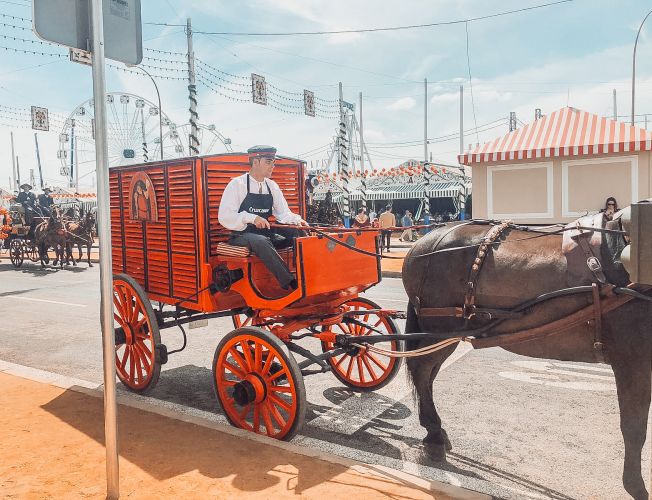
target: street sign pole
106 278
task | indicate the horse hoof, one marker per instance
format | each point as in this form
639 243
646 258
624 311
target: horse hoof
447 441
435 451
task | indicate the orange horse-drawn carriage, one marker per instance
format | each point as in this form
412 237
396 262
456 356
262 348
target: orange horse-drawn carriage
172 266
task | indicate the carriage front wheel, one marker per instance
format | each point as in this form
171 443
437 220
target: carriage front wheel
358 368
259 384
16 252
137 336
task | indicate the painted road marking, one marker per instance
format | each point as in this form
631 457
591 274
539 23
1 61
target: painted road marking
45 300
563 375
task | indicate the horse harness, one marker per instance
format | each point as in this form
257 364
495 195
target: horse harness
602 297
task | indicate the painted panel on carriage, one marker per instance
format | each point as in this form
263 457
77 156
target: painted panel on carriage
142 198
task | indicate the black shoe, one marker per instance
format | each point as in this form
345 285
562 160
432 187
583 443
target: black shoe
292 285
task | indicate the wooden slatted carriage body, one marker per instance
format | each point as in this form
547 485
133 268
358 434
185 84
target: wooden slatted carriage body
168 248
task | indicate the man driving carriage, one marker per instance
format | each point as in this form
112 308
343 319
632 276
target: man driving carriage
247 204
27 200
45 202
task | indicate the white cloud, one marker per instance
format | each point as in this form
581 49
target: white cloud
402 104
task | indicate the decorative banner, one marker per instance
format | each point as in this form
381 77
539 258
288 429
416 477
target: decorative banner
40 119
309 102
258 89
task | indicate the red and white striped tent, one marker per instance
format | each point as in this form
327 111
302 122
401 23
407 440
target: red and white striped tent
564 133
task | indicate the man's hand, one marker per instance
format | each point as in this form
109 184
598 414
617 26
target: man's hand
303 223
261 223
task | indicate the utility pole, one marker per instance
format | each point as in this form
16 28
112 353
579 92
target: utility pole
13 163
72 153
615 107
461 119
192 95
425 120
343 161
76 167
363 178
512 121
38 160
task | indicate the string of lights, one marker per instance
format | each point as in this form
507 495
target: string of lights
243 91
158 51
198 60
210 87
171 61
225 80
8 16
34 52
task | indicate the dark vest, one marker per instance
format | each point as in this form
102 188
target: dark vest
259 204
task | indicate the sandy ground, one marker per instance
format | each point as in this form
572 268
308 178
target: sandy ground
51 446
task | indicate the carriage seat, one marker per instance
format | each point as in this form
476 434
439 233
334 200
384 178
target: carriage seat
232 250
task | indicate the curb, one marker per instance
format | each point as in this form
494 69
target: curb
391 274
174 411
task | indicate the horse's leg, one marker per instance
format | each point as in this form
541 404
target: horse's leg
88 254
422 371
632 368
69 255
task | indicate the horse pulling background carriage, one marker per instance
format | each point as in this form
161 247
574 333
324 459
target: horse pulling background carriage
60 231
169 248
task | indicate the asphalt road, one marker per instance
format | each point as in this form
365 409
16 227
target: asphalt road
521 428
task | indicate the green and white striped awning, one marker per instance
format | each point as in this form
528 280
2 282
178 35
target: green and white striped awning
448 189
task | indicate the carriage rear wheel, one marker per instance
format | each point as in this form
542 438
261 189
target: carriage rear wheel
259 384
360 369
16 252
137 336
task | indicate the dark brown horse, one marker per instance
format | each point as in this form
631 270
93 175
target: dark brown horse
518 268
51 233
80 233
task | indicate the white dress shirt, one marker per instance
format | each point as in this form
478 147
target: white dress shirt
235 193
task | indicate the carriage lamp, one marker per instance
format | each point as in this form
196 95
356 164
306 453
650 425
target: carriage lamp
637 256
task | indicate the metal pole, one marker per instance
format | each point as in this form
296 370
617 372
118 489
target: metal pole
363 178
615 107
461 119
38 160
106 279
634 64
192 94
343 162
17 173
76 168
72 153
160 111
425 120
13 163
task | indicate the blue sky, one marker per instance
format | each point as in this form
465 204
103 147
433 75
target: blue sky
569 54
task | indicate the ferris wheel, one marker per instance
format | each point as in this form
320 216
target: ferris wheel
210 140
132 134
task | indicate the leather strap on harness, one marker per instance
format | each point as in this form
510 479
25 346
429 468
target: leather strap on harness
483 249
592 261
597 323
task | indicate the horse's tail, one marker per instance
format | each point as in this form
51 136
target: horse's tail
411 326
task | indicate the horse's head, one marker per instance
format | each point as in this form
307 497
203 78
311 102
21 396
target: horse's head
56 222
88 222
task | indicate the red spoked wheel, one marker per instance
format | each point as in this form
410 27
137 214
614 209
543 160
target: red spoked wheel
136 335
358 368
259 384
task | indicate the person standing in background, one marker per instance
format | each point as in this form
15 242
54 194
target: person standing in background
385 222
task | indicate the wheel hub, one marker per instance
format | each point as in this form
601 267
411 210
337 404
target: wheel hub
250 390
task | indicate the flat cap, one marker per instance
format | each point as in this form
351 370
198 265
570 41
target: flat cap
28 186
261 151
